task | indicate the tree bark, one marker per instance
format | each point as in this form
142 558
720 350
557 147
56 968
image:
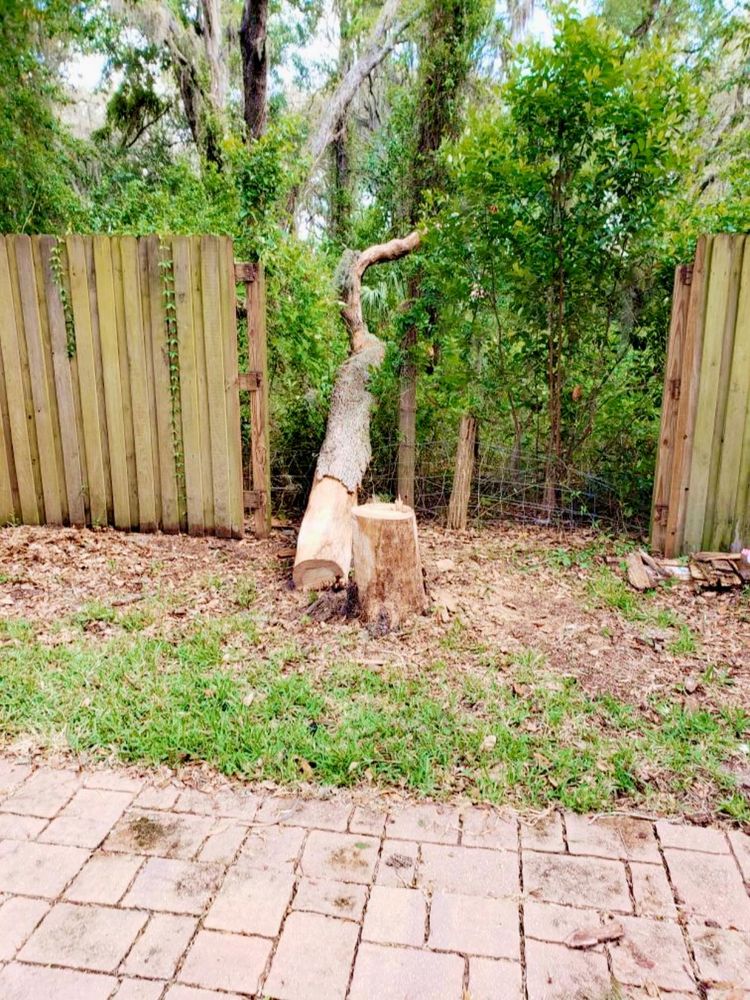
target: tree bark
324 542
387 566
254 48
458 506
215 55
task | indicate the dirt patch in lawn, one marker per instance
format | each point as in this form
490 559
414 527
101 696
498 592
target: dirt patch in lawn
508 593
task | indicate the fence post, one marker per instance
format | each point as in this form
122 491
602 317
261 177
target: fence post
260 448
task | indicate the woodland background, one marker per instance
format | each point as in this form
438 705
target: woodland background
560 164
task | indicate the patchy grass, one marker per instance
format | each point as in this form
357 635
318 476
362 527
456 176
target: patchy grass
510 731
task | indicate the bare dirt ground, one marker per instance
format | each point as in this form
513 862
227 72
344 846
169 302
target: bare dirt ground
501 591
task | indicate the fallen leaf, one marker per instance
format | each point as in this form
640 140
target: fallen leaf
489 742
588 937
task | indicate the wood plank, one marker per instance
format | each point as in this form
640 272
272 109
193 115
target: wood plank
690 377
26 374
32 326
166 424
259 415
19 424
728 485
213 333
709 390
202 377
6 444
110 350
7 512
146 318
228 295
724 377
127 403
41 302
88 246
139 393
61 370
189 404
86 358
670 406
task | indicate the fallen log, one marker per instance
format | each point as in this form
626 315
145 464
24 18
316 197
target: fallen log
324 544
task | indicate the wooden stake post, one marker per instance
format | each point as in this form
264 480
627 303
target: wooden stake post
258 498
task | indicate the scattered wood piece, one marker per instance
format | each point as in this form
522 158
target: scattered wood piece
589 937
638 576
287 553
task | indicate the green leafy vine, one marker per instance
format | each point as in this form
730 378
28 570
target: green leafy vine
166 265
56 266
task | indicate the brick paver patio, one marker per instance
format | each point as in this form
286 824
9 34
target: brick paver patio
118 886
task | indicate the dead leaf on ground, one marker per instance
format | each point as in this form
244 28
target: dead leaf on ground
589 937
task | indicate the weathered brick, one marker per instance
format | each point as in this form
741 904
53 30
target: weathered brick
104 879
139 989
44 793
12 773
651 952
369 820
490 979
272 847
116 781
475 926
544 833
489 828
164 834
174 886
652 892
223 843
398 863
251 901
226 962
157 797
336 899
321 814
551 922
228 803
592 882
14 827
686 837
472 871
741 847
161 946
85 937
554 972
344 857
38 869
313 958
424 822
29 982
612 837
725 902
396 973
723 956
18 918
395 916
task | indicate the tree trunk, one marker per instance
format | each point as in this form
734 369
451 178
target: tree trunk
407 411
254 48
387 566
215 56
458 507
324 543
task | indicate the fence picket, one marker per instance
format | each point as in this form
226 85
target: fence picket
213 333
202 382
66 406
92 430
144 459
20 425
32 326
228 297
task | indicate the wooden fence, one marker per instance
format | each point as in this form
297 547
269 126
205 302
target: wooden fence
702 485
119 384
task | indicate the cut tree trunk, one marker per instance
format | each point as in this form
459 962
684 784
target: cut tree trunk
458 507
324 545
387 567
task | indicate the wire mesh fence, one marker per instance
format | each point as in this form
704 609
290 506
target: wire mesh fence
504 485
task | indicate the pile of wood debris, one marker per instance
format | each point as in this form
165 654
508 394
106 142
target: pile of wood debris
702 569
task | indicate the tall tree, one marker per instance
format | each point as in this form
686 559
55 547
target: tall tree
452 29
254 47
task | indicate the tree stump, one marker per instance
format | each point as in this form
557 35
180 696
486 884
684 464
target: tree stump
387 566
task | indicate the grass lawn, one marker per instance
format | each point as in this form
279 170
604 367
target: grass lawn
180 650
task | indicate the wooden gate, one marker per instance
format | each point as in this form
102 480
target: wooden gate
702 485
119 384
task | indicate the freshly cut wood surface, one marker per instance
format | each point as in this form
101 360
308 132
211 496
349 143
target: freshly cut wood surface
324 545
387 564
